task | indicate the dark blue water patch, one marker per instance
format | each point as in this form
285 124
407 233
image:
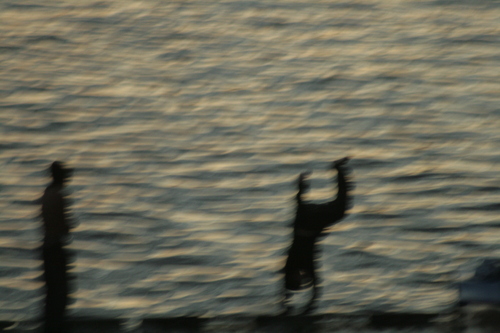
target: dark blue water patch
330 42
373 216
15 234
191 284
14 293
313 128
142 216
214 175
51 127
479 4
438 62
387 77
36 161
243 5
22 86
345 23
483 59
99 171
28 6
98 236
446 135
301 26
367 259
426 176
15 252
183 244
17 145
232 155
186 260
11 272
296 6
431 281
44 54
35 202
46 38
23 106
468 245
11 48
168 198
176 55
269 23
356 5
173 36
292 103
373 163
436 191
135 291
437 229
91 100
356 102
261 226
489 207
188 97
98 21
368 141
471 39
43 172
283 168
211 73
95 5
328 82
36 6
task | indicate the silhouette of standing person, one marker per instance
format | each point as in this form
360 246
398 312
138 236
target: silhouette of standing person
308 227
55 259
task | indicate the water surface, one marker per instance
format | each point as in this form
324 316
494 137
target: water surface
188 123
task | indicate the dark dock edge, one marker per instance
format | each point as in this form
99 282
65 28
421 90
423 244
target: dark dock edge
272 323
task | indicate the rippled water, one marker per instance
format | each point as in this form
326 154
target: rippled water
188 122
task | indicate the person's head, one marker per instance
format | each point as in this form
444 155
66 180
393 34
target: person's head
60 173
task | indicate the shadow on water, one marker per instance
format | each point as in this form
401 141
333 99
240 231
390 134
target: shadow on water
178 325
401 320
56 225
308 228
476 319
94 325
294 324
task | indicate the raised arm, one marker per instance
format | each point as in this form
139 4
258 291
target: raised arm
343 201
302 185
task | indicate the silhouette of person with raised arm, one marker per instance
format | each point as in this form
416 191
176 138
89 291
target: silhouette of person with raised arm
308 227
56 224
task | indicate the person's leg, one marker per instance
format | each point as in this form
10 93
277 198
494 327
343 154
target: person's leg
316 291
56 288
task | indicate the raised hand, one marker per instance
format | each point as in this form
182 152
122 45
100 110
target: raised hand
340 162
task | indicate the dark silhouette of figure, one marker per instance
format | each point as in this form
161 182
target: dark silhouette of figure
56 224
309 225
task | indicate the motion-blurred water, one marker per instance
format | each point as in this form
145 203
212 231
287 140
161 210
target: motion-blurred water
188 122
